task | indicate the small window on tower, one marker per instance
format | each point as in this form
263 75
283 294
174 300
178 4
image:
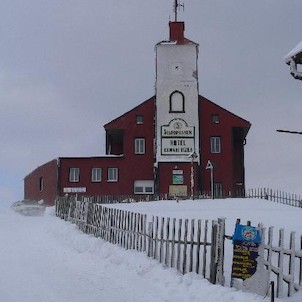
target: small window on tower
139 119
177 102
215 118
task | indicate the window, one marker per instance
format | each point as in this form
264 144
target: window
143 187
96 174
177 102
74 174
41 184
139 146
112 174
139 119
149 190
215 118
215 144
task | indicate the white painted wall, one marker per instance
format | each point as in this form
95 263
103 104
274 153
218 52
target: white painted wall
176 69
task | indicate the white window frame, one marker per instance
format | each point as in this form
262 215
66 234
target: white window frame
215 144
143 187
96 174
112 174
140 145
74 174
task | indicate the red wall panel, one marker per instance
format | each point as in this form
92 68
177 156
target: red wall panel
48 174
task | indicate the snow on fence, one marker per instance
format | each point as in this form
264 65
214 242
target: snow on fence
187 245
284 263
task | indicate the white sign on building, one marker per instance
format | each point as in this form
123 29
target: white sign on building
74 190
177 138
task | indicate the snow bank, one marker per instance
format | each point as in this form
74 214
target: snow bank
46 259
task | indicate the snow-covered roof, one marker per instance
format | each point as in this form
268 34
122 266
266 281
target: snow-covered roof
293 59
293 52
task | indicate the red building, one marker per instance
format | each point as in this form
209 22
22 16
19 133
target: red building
162 146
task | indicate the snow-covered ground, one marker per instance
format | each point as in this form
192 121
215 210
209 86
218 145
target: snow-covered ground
43 258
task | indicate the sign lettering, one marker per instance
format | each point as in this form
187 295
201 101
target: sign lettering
177 138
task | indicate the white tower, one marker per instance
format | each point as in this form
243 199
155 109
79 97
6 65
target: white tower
177 117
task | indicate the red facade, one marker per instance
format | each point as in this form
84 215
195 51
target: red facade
42 183
121 134
229 164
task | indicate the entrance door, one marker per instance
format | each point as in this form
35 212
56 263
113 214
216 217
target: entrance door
218 190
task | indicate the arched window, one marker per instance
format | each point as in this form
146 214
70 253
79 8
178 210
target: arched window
177 102
41 184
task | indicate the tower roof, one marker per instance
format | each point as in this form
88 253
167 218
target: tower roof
176 34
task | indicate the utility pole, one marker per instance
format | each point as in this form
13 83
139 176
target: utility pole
289 131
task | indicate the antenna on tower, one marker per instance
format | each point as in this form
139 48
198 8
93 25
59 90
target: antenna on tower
177 5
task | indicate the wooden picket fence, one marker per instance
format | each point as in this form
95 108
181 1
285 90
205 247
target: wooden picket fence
262 193
278 196
284 261
187 245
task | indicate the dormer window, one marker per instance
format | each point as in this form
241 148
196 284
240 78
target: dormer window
177 102
139 119
215 118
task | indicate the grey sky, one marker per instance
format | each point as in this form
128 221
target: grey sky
69 66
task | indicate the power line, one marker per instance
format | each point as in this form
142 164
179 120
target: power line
289 131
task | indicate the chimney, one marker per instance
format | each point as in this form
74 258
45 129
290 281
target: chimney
177 32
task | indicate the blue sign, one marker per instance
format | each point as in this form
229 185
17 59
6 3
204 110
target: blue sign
246 241
247 233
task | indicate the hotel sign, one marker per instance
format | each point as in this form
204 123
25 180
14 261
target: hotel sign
177 138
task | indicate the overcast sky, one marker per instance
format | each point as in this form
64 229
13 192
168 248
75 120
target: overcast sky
67 67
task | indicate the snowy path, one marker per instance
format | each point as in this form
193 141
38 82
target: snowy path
48 260
41 264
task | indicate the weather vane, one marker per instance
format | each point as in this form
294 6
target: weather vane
177 5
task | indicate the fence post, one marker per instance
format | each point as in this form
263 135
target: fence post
150 239
217 252
213 263
220 251
291 288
